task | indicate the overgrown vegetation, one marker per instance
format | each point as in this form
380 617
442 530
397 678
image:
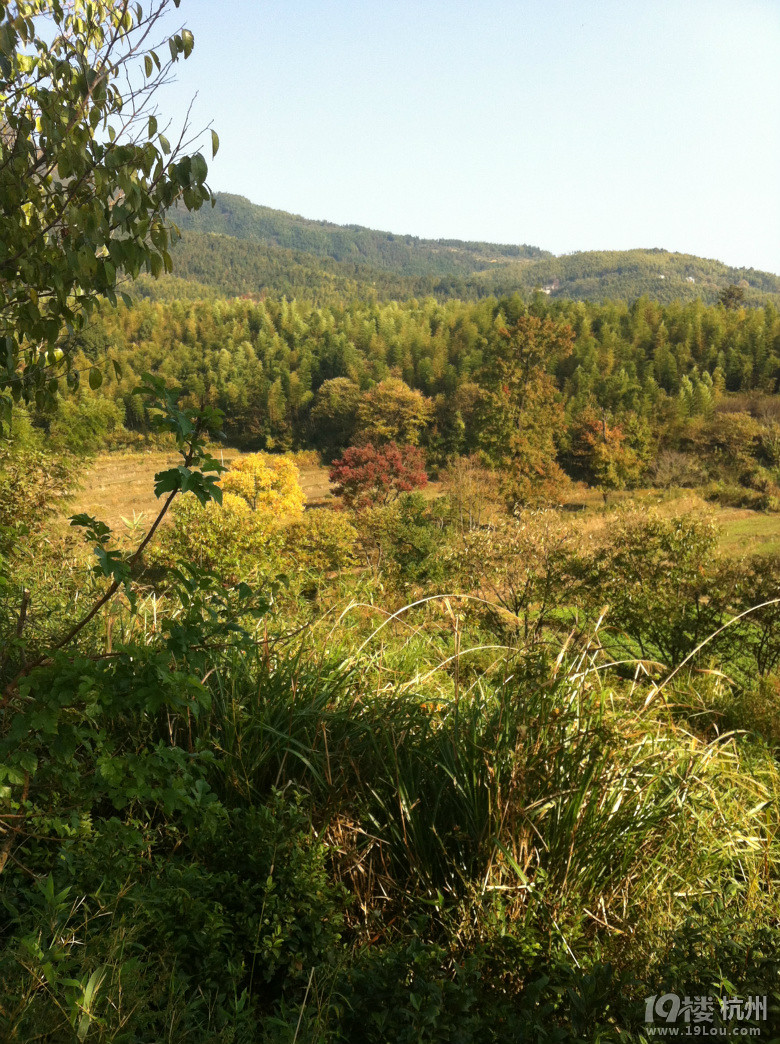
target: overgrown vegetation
432 785
449 766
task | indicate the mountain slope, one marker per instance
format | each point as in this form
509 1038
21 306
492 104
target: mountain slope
238 267
404 255
240 248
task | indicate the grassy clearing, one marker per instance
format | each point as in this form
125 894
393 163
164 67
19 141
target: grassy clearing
748 532
742 531
119 485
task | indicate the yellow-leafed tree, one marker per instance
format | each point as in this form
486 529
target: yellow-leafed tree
267 483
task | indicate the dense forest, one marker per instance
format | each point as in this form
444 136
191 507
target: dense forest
685 386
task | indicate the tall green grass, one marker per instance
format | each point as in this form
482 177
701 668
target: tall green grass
541 780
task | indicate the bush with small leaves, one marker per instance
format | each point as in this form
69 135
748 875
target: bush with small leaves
228 539
658 579
404 541
526 565
322 541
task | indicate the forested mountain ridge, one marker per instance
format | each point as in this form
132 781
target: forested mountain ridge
238 248
403 254
209 264
624 275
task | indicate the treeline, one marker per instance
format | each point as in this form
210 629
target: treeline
289 375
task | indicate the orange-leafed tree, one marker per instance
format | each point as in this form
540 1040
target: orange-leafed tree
603 454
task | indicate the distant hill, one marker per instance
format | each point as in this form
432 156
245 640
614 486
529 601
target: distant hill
209 263
404 255
628 274
240 248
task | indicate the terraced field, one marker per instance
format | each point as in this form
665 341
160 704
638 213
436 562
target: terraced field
119 486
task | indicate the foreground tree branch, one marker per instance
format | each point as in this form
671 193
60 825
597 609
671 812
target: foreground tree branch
86 176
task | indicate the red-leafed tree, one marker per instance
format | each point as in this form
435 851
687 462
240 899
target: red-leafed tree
367 476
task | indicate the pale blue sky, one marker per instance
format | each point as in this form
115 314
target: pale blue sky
567 124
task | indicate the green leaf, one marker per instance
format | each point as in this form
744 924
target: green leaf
7 39
199 167
214 144
97 532
152 126
167 481
155 265
28 761
95 378
112 563
148 66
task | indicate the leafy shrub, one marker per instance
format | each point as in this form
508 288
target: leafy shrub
756 581
415 540
83 426
511 983
729 494
305 458
657 577
228 538
247 904
418 991
33 483
524 564
404 543
323 541
207 929
92 737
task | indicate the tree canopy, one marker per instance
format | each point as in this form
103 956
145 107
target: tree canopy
86 173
